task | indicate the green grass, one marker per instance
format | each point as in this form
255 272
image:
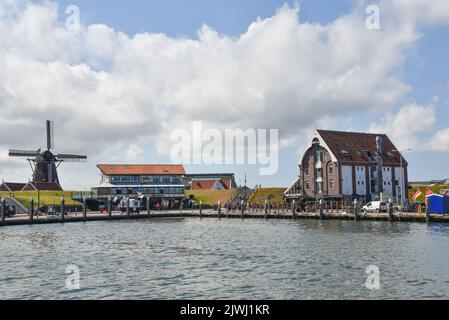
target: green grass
211 197
422 197
274 195
45 197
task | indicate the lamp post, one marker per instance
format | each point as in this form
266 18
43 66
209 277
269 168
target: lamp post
402 173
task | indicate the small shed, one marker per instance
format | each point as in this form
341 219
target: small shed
438 204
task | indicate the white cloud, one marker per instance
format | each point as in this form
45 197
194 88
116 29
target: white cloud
414 126
134 153
104 88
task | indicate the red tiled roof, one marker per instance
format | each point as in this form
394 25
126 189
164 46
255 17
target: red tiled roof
153 169
13 186
43 186
206 184
353 146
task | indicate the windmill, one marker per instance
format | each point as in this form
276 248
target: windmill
45 164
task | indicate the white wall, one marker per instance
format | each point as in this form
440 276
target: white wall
360 180
387 182
346 180
399 174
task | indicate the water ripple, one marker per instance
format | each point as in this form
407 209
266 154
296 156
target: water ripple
226 259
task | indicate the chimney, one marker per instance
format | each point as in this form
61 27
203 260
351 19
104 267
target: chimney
379 144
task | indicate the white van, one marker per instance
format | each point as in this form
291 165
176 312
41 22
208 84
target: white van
375 206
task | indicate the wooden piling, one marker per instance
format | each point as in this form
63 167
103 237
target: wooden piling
242 210
3 212
61 215
427 211
110 207
294 209
84 209
148 205
201 209
31 210
219 209
128 213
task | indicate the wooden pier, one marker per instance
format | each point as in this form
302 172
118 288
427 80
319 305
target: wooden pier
209 214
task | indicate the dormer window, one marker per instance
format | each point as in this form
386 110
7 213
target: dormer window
344 152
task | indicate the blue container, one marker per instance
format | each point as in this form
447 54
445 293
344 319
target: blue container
438 204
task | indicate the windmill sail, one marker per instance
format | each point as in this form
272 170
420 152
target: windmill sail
50 135
45 163
23 153
71 157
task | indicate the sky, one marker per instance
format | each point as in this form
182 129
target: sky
136 71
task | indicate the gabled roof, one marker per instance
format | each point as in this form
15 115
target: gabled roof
207 184
357 146
11 186
131 169
42 186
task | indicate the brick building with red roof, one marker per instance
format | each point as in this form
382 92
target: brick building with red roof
351 165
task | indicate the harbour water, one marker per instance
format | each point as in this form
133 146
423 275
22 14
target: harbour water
190 258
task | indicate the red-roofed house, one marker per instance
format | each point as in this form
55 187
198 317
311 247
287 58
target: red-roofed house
11 186
208 185
162 183
351 165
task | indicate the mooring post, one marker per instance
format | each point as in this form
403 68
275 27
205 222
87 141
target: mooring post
321 209
219 209
31 210
110 207
62 209
3 212
390 210
427 211
84 209
148 205
242 209
356 211
201 209
294 208
127 208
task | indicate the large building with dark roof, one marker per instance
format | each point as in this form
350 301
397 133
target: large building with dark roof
348 165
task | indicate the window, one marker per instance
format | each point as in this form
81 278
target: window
331 184
306 171
331 169
307 185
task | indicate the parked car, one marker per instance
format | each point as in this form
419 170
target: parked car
375 206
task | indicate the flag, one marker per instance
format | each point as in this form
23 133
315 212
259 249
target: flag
446 193
416 195
428 192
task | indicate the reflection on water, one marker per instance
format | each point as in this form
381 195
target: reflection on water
225 259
